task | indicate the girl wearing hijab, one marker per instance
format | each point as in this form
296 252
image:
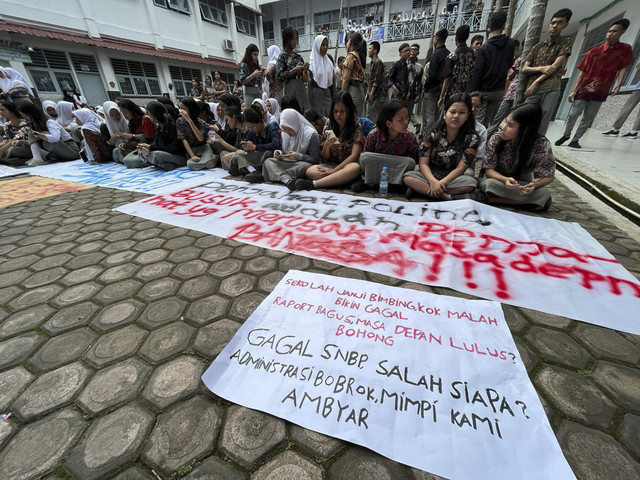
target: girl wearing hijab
353 70
48 139
321 69
251 74
114 122
271 86
140 130
274 108
15 88
192 131
166 151
49 109
300 150
291 69
66 119
94 149
14 147
262 107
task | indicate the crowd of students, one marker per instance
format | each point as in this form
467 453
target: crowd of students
303 124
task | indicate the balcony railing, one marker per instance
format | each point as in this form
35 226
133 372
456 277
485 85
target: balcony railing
398 31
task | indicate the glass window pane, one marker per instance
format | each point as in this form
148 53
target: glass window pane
141 86
154 86
42 81
65 81
179 89
125 86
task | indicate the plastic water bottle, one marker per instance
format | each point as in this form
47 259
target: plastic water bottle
384 182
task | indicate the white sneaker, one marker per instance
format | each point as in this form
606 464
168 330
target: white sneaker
34 162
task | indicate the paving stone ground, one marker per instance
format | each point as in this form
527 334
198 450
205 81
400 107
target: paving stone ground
107 322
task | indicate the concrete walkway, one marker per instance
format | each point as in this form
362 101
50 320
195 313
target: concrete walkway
107 322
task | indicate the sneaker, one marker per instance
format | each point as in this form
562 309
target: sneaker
561 140
34 162
291 185
574 144
630 136
304 184
234 171
359 186
409 193
611 133
254 177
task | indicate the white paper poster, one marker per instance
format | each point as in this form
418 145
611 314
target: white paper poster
547 265
116 175
430 381
6 171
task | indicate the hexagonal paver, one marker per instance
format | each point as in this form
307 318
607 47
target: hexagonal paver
114 386
206 310
115 274
174 233
16 349
44 277
198 287
82 275
244 306
39 447
63 349
576 396
558 347
214 468
260 265
247 251
546 319
18 263
621 382
6 294
192 268
15 277
183 433
88 247
322 446
237 285
118 258
631 432
166 342
224 268
35 296
86 260
185 254
595 455
530 360
110 443
211 339
154 271
119 235
289 465
117 315
249 434
294 262
361 463
135 473
268 282
216 253
76 294
607 344
118 246
51 391
115 345
161 312
208 241
157 289
70 318
174 381
25 320
178 242
151 256
118 291
12 384
51 262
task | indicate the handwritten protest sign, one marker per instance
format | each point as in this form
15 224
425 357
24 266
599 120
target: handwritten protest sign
431 381
30 188
115 175
543 264
6 171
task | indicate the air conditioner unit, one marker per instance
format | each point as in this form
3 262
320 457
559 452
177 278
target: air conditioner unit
228 45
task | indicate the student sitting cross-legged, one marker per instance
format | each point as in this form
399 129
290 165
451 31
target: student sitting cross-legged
193 133
166 151
390 145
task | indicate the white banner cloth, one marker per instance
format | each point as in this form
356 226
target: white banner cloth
547 265
431 381
6 171
116 175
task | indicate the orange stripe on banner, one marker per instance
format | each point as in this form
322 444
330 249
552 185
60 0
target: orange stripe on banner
32 188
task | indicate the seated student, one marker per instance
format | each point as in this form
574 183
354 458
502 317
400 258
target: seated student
341 144
14 147
94 148
166 151
227 140
261 140
476 105
141 130
289 101
390 145
48 140
114 122
64 111
206 114
225 102
273 107
300 150
14 87
192 131
446 152
170 106
315 119
49 109
261 106
519 163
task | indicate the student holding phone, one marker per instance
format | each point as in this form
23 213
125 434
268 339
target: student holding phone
292 70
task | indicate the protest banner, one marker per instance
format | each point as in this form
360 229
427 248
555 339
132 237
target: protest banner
116 175
6 171
431 381
32 188
547 265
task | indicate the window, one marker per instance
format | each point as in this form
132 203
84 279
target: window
84 63
50 71
632 76
267 26
181 6
136 78
330 20
214 11
295 22
181 79
362 11
245 21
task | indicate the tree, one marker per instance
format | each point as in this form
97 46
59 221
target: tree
510 14
536 19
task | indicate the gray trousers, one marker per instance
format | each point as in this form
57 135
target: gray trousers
206 155
275 170
547 102
357 93
627 108
16 156
429 110
590 109
490 103
502 113
65 151
375 107
160 158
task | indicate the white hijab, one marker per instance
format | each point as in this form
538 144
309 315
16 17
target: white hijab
275 106
270 118
90 120
65 113
45 105
273 52
304 131
4 81
222 121
15 76
113 126
320 66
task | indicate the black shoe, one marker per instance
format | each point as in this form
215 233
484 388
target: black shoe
234 171
574 144
479 196
418 128
254 177
84 157
409 193
304 184
611 133
630 136
460 196
168 167
359 186
561 140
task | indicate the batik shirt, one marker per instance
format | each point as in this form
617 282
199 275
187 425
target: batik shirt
342 149
543 163
457 67
443 155
21 132
404 145
285 63
545 53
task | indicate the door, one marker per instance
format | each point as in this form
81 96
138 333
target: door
92 88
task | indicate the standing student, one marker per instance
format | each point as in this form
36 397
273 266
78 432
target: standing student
353 75
598 70
291 69
197 93
543 66
14 148
219 86
341 144
377 93
271 86
481 131
192 131
321 71
456 71
433 84
141 130
398 76
207 88
519 163
509 96
448 149
166 151
627 108
390 145
476 42
415 82
251 74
